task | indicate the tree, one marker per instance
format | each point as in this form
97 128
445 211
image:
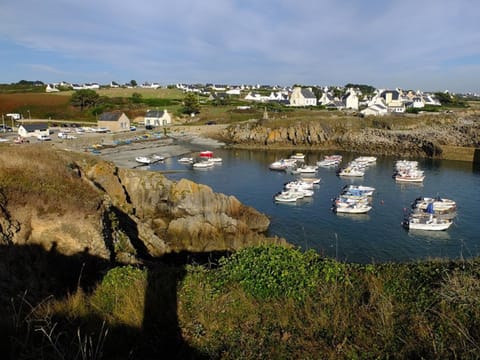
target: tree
133 83
191 104
136 98
85 98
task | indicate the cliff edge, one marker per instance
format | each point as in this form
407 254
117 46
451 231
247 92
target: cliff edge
78 203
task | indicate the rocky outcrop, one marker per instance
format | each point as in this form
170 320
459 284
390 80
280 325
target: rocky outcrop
393 137
179 216
135 214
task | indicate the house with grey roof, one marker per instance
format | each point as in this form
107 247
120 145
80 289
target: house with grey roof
157 118
114 121
303 97
33 130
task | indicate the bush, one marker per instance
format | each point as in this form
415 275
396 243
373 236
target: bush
115 290
272 271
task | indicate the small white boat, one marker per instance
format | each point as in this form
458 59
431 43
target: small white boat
327 163
306 169
158 158
351 172
298 156
216 159
204 164
282 164
299 184
431 223
409 177
288 196
143 160
186 160
310 180
358 190
355 208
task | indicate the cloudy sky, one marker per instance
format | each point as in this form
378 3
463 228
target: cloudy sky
413 44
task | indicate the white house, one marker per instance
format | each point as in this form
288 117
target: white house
51 88
253 96
375 110
302 97
33 130
351 99
157 118
377 107
235 91
326 99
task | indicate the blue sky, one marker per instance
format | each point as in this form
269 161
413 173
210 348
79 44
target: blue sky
413 44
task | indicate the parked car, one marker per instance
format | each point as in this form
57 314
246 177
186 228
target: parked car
44 138
5 128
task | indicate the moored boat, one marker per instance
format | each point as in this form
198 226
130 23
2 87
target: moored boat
186 160
143 160
430 223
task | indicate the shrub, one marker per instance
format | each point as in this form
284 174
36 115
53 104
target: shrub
120 294
272 271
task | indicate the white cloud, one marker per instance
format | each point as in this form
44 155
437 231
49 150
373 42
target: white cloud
278 41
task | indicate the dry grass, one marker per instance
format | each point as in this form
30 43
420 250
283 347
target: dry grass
42 175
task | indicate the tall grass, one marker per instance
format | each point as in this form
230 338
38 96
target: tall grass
41 175
418 310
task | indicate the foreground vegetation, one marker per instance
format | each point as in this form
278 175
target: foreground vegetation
262 302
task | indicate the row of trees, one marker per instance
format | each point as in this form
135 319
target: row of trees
89 99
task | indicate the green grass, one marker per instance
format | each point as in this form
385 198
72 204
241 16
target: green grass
249 307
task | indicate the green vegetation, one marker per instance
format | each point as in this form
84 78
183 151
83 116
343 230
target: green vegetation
365 89
191 104
450 101
23 86
275 302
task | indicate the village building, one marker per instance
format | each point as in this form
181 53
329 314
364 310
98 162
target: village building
303 97
114 121
351 100
157 118
33 130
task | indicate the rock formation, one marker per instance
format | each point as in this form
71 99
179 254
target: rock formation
416 138
122 214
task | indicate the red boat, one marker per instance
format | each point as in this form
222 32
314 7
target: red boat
206 154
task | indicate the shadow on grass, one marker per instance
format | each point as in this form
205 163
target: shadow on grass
30 276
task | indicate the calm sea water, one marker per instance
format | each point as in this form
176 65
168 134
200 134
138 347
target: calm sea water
374 237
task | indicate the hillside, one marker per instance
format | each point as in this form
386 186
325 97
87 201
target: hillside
109 263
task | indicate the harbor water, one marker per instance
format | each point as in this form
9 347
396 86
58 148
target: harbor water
364 238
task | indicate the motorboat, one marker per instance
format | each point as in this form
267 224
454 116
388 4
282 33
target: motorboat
206 154
282 164
299 184
186 160
156 158
327 163
143 160
288 196
306 169
310 180
351 172
298 156
367 160
278 166
412 176
431 223
354 208
358 190
203 164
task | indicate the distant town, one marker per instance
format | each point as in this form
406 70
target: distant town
366 100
